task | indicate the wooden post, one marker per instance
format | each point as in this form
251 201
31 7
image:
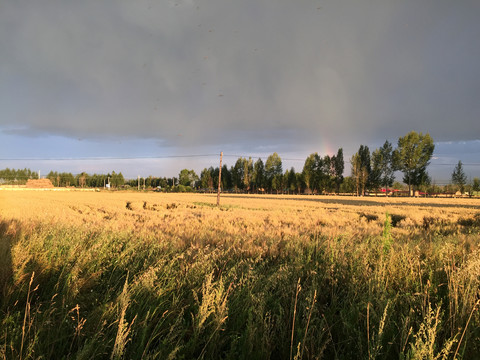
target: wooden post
219 179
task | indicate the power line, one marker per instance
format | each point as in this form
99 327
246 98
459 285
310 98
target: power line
153 157
260 157
95 158
463 164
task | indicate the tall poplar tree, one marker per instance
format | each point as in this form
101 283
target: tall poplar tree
259 175
383 167
273 172
310 171
412 157
458 177
338 165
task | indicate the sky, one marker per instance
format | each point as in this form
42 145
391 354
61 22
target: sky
139 86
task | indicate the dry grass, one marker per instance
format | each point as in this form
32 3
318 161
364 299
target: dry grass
252 215
208 282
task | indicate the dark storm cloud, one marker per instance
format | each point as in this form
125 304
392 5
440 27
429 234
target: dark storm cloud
252 73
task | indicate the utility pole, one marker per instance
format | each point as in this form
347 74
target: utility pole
39 175
219 179
138 183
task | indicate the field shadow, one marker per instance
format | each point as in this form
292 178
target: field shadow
7 239
354 201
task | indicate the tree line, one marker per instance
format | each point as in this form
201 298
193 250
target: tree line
62 179
84 180
318 175
370 172
14 176
377 170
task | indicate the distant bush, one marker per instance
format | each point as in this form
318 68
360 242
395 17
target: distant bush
182 189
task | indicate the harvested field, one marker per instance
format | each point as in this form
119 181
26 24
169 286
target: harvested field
152 275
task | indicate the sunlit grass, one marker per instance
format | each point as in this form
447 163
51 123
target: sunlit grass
173 276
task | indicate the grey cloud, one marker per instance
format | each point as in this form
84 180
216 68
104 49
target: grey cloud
251 73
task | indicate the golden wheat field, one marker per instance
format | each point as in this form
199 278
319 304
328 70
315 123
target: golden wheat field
249 215
142 275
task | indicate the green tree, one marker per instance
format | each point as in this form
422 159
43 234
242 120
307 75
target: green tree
242 174
82 179
291 180
325 174
300 183
206 180
238 174
20 176
458 177
247 174
382 167
66 179
361 169
310 172
348 185
117 180
376 174
412 157
366 165
53 177
214 175
273 172
338 166
226 178
476 185
386 165
149 182
187 177
359 173
259 175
